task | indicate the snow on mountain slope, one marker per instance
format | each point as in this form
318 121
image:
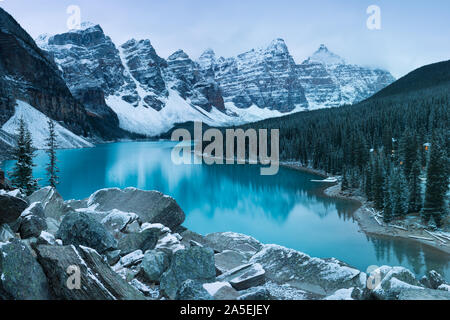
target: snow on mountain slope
36 122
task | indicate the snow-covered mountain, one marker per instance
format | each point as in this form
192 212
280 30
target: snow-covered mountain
149 94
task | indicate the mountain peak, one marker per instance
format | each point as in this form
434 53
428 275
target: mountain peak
326 57
87 26
178 55
278 45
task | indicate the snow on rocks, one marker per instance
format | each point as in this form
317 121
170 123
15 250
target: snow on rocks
221 291
36 123
241 243
245 276
318 276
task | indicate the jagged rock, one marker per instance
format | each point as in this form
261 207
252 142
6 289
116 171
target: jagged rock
145 240
98 280
314 275
245 276
46 238
112 257
169 243
221 291
228 260
118 221
432 280
11 208
32 221
423 294
260 294
52 226
52 203
153 265
79 228
6 233
22 278
243 244
150 206
194 264
131 259
193 290
391 281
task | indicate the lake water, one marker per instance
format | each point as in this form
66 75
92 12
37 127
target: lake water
286 209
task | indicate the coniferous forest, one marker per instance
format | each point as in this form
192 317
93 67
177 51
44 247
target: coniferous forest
394 146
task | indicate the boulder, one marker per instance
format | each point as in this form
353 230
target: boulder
243 244
46 239
153 265
228 260
245 276
423 294
78 228
112 257
256 294
150 206
6 233
170 244
118 221
145 240
97 280
391 281
11 208
316 276
52 203
52 226
131 259
192 290
22 278
194 263
432 280
221 291
32 221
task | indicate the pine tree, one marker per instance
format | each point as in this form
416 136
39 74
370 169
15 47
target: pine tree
415 190
399 194
377 181
437 185
368 181
52 169
387 212
23 154
344 184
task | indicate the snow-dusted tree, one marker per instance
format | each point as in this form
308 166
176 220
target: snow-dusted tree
437 184
52 169
22 173
415 190
399 193
344 184
387 211
377 184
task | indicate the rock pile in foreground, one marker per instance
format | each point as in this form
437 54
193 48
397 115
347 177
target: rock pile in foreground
130 245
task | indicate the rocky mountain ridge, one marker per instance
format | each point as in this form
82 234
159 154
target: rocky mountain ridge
150 94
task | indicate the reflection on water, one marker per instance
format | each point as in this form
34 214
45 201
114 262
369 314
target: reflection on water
285 209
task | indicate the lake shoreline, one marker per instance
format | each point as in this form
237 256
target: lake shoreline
363 215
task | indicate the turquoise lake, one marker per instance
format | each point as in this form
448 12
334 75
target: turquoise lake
287 209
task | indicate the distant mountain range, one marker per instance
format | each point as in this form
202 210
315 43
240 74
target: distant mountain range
95 88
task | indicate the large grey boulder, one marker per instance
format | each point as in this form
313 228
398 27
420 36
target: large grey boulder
314 275
78 228
118 221
243 244
97 280
432 280
245 276
154 264
11 208
423 294
6 233
145 240
32 221
52 203
228 260
389 282
195 263
221 291
22 278
191 290
150 206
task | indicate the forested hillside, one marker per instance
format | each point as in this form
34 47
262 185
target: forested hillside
384 145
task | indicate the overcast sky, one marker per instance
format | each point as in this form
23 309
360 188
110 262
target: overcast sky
413 32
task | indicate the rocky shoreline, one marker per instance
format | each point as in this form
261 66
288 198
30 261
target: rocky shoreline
130 245
411 229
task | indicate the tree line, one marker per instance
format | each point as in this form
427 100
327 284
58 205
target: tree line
394 149
24 153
